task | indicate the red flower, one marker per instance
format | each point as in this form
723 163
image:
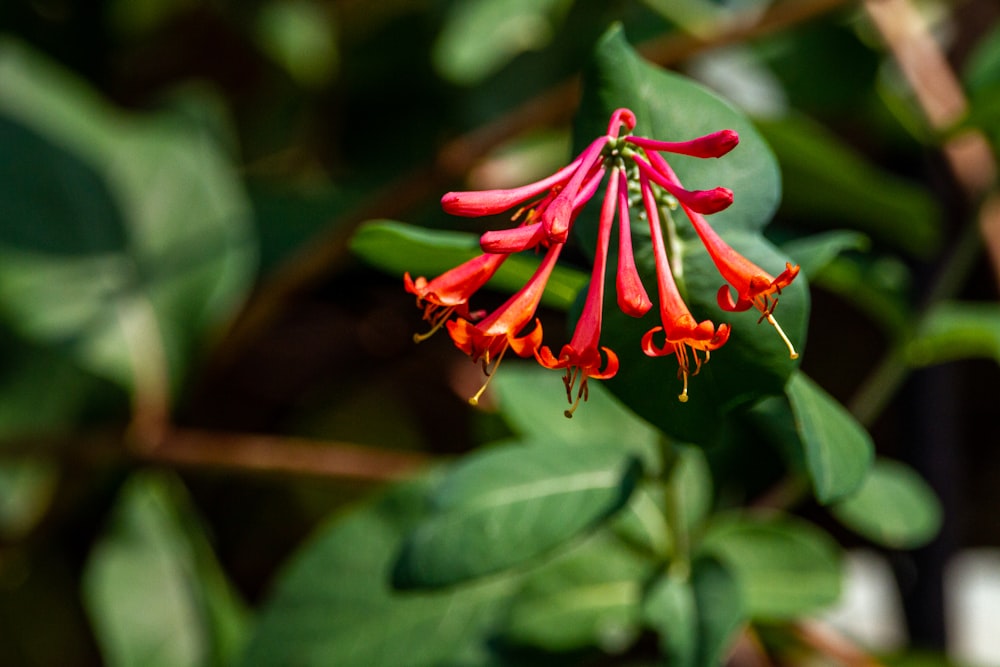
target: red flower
450 292
546 211
683 335
581 357
754 286
489 339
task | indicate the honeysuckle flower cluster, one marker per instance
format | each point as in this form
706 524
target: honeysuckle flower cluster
545 212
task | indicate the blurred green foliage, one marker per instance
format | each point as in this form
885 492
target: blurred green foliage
205 212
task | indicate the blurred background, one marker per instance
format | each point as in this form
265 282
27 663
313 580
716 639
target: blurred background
192 357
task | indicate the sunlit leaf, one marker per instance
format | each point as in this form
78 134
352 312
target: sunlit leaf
838 450
399 248
481 36
503 506
785 567
894 508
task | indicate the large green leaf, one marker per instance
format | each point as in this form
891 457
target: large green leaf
125 238
671 107
153 589
754 362
785 566
895 507
503 506
333 603
587 596
838 450
399 248
532 400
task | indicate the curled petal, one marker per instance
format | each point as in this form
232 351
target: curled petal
621 117
728 304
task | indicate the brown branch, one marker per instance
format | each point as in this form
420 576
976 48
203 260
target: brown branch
279 455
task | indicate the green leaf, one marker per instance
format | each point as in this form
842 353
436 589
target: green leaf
814 253
956 330
301 37
894 508
671 609
587 596
720 610
398 248
479 37
671 107
503 506
838 450
333 603
696 616
125 239
827 183
785 566
152 586
534 410
878 286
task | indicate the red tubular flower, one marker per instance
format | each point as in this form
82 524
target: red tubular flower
545 211
450 292
632 297
581 357
558 215
716 144
703 201
680 330
531 234
477 203
754 286
489 338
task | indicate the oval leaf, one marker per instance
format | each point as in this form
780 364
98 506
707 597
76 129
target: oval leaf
333 603
785 567
838 450
894 507
535 412
588 596
503 506
671 107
